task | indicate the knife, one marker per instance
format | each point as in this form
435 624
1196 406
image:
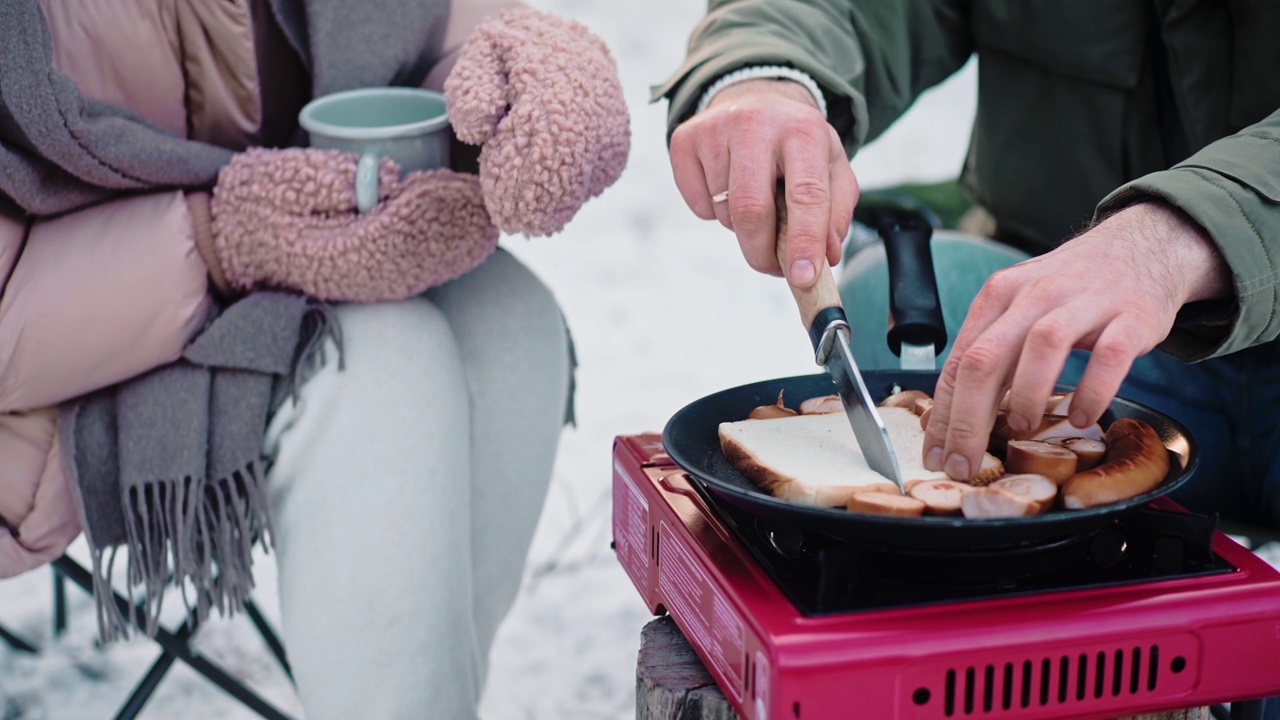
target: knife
823 316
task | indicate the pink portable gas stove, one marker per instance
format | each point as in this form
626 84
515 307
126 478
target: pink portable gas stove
1162 612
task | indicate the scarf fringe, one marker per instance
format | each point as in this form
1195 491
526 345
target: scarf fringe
197 534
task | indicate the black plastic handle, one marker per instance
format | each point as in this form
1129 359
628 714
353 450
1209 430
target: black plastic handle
915 308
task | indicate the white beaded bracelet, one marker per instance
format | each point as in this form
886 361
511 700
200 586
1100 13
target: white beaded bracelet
777 72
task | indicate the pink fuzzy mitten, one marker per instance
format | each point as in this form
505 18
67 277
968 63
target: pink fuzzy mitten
541 96
287 219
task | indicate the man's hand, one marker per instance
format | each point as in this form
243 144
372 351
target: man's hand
752 134
1114 290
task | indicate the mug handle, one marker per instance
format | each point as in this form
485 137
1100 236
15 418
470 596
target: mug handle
367 181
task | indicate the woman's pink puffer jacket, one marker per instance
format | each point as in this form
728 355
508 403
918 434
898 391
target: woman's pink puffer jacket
100 295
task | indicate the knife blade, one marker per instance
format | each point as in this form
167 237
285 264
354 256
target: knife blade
864 419
822 313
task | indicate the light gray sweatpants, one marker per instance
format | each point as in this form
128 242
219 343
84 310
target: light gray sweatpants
406 489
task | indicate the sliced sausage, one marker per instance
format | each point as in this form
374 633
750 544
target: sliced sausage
925 412
1136 462
885 503
1042 458
1059 403
1036 488
922 406
821 405
766 412
989 470
1060 426
1088 451
1056 404
1051 426
991 502
905 399
940 497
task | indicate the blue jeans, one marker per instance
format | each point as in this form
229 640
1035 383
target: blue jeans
1231 406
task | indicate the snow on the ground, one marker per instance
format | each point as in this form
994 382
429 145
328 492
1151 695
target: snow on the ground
663 310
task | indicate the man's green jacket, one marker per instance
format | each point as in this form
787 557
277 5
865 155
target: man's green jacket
1084 106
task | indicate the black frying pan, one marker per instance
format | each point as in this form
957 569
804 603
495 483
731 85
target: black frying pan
692 440
691 437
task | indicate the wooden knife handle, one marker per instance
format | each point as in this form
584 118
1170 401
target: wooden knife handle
822 294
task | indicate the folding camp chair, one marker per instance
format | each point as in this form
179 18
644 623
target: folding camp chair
16 642
174 645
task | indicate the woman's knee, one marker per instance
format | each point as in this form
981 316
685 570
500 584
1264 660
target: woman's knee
505 296
392 332
398 352
395 363
497 308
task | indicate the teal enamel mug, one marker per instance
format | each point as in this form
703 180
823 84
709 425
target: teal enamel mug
408 125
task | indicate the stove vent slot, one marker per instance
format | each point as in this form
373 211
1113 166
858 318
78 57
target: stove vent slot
1064 679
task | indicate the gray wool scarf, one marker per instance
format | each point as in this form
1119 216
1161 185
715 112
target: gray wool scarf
169 465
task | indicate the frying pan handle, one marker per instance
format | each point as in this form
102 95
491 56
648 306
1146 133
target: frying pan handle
665 482
915 308
819 304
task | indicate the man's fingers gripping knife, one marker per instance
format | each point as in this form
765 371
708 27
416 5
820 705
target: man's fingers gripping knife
699 157
820 194
720 209
753 218
808 217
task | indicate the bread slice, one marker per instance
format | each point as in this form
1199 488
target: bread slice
815 459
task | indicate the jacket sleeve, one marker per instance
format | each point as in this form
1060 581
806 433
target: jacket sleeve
37 515
872 59
1232 188
97 296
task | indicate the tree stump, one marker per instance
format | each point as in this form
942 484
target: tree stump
671 681
673 684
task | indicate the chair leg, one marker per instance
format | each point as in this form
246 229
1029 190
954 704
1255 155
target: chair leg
218 676
269 636
59 603
177 646
144 690
16 642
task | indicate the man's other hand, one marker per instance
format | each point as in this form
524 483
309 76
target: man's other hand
1114 290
